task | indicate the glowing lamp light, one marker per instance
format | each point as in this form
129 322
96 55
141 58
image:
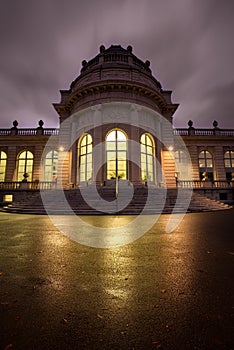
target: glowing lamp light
170 148
61 148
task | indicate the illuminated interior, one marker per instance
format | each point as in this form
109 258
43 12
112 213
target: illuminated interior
205 165
85 158
229 165
3 160
116 155
147 158
51 165
25 165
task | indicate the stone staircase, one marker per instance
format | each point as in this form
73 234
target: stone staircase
130 201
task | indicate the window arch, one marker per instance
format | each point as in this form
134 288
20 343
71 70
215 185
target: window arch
25 165
85 158
147 157
116 154
229 164
206 165
3 160
51 166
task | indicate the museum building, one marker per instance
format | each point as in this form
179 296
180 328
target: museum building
116 124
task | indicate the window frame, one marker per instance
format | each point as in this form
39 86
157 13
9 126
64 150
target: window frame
149 157
209 170
28 168
122 172
85 157
54 163
3 164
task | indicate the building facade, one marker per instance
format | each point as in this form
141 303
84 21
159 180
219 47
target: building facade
116 123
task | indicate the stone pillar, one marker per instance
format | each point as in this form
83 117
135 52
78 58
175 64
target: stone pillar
11 164
158 153
134 149
219 168
168 162
193 151
64 156
168 165
98 151
74 166
38 151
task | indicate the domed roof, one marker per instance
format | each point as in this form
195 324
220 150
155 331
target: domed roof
115 74
118 55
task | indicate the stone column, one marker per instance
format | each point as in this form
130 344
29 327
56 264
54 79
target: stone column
38 151
219 168
74 160
99 151
158 153
168 162
193 151
64 156
168 165
11 164
134 149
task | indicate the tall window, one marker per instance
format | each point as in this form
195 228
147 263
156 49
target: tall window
147 158
116 154
51 166
25 165
229 164
206 165
3 160
85 158
181 164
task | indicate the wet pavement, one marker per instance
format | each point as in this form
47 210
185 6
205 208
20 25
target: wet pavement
163 291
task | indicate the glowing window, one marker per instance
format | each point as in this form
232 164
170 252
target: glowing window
147 158
25 165
85 158
3 160
229 165
205 165
116 154
51 166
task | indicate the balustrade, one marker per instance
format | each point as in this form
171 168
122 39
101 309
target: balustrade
34 185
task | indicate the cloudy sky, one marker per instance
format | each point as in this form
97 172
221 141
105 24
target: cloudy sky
189 43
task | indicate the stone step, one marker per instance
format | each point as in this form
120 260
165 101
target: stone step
34 204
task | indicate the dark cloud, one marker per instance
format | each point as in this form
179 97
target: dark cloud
189 44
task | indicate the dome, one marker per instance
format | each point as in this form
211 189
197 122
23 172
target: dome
115 74
115 54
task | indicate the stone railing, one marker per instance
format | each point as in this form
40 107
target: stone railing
215 131
34 185
113 57
29 132
204 132
205 184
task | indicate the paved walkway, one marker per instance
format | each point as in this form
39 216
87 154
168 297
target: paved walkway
163 291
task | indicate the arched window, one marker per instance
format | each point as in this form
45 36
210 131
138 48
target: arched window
116 154
147 158
51 166
85 158
206 165
3 160
181 164
229 165
25 165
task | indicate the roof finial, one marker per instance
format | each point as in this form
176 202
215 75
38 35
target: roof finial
129 48
102 48
215 124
